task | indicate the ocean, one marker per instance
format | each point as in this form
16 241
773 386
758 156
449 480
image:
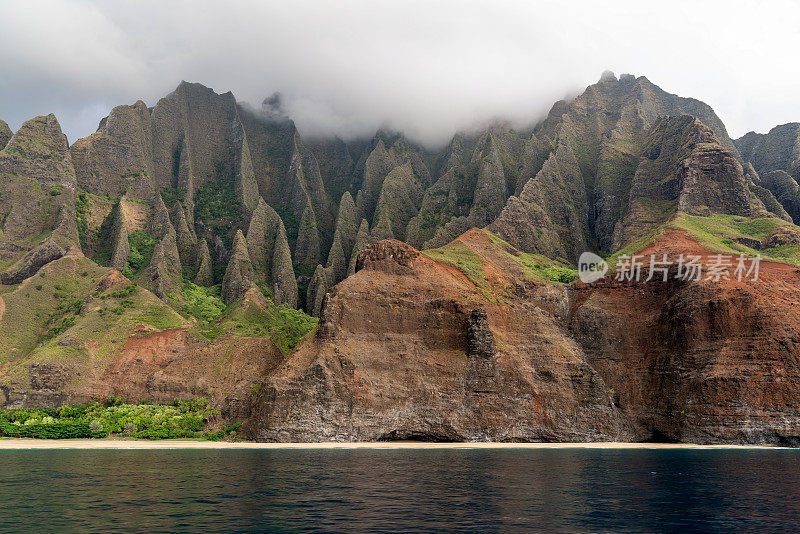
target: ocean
407 490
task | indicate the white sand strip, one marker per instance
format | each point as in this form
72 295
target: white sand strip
11 443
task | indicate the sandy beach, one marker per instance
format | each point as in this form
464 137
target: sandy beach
23 444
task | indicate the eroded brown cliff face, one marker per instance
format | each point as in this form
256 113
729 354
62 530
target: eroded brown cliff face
699 361
409 348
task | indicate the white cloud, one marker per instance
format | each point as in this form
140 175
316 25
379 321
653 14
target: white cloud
427 68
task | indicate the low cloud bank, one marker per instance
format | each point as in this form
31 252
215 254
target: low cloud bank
425 68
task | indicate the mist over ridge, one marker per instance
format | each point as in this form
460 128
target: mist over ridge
427 70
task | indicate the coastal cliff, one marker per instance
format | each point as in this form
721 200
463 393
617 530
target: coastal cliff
379 289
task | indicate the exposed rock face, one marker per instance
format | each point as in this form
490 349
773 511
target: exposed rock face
260 239
289 177
270 255
317 289
767 199
403 353
784 236
713 182
344 239
475 185
481 352
164 273
335 165
47 252
467 342
141 350
785 189
702 362
40 151
630 182
204 276
307 250
777 150
591 184
401 194
390 152
239 274
549 216
119 232
185 238
363 240
284 283
387 255
5 134
405 349
776 157
201 128
37 191
161 276
118 158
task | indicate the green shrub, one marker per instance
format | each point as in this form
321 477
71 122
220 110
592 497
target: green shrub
49 430
203 303
124 292
181 419
125 304
560 274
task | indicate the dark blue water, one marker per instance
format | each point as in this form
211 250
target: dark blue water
400 491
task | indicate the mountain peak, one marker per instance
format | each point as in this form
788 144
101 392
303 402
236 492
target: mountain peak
607 76
272 106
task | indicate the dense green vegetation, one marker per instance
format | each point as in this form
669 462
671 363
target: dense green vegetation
217 205
714 229
181 419
171 195
283 324
290 222
557 273
203 303
142 245
82 212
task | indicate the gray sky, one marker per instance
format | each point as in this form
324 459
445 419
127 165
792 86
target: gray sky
423 67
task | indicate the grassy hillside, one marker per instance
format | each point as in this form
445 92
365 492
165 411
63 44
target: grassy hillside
71 302
719 233
480 250
284 325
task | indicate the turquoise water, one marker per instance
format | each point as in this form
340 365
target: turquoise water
399 490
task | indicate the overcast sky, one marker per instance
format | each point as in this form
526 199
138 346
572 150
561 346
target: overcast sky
426 68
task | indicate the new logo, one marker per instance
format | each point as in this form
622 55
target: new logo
591 267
